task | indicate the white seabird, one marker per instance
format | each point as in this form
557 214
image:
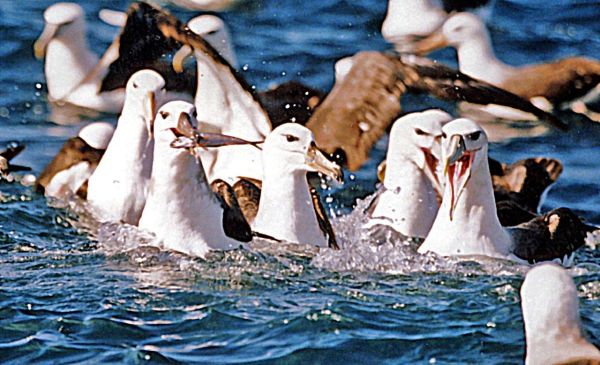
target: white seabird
551 314
214 30
118 187
547 85
73 72
467 223
181 209
408 201
68 172
407 21
286 210
226 105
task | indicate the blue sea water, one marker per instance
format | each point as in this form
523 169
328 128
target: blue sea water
68 297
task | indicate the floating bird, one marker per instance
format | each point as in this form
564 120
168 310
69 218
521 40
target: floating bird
287 209
12 150
181 209
549 85
357 111
77 77
553 331
408 21
73 72
118 187
408 200
467 222
68 172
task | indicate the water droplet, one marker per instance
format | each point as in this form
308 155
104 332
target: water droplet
246 67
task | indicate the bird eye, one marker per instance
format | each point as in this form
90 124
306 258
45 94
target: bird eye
195 114
474 136
444 135
212 32
164 115
291 138
135 85
420 132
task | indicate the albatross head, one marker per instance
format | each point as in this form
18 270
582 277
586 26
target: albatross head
551 314
416 138
145 89
61 19
293 147
214 30
458 29
464 149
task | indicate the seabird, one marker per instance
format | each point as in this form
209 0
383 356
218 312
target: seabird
519 187
287 209
549 85
553 332
408 199
214 31
12 150
467 222
358 110
181 209
407 21
73 72
118 187
76 77
68 172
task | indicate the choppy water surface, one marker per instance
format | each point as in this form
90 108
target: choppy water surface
66 298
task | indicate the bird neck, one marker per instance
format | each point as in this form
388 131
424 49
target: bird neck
286 209
477 59
224 104
474 228
68 61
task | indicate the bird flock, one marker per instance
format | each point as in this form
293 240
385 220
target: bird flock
204 162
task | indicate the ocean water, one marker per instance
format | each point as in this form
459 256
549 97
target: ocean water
75 292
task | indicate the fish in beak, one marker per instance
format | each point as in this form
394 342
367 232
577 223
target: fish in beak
457 169
150 112
316 160
429 44
186 136
39 47
180 57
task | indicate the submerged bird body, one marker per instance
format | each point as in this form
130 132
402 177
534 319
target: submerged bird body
118 187
181 209
286 209
553 333
408 201
467 223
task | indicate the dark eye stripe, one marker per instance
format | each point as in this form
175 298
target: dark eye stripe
421 132
291 138
164 115
474 136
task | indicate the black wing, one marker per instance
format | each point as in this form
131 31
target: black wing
234 223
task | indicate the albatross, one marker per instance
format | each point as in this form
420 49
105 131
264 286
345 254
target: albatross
68 172
467 223
408 200
181 208
407 21
77 77
118 187
553 332
550 85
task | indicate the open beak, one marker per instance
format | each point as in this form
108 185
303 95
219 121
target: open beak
431 165
426 45
180 57
39 47
150 113
316 160
457 169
